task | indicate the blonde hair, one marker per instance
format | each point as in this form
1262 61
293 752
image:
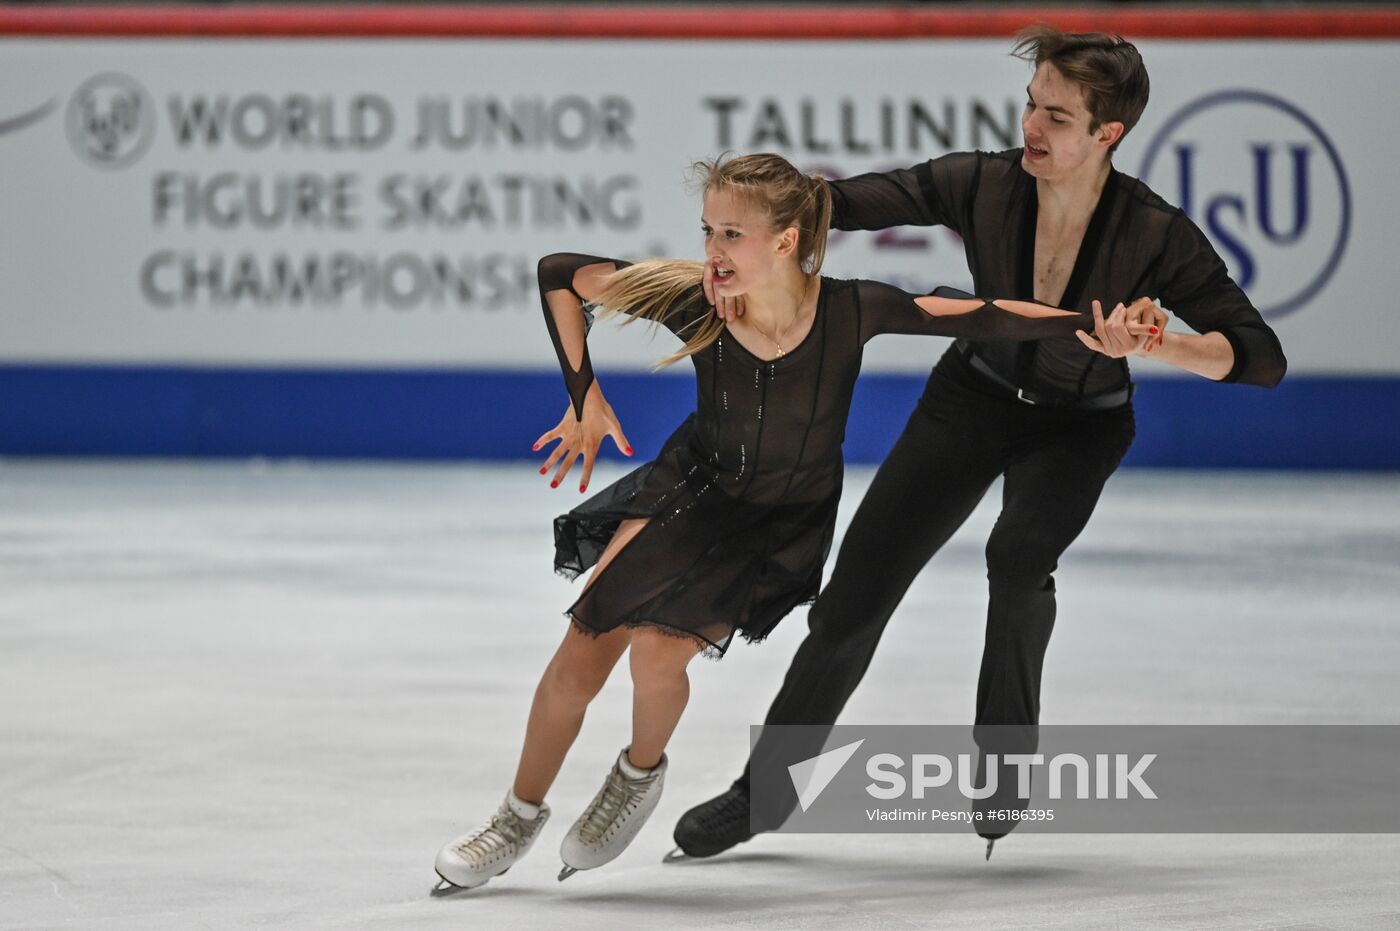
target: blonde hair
656 289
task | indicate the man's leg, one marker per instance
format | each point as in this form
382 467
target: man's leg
940 467
925 489
1048 495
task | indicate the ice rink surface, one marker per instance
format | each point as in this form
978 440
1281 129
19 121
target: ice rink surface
262 695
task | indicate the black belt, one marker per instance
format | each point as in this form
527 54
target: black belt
1098 402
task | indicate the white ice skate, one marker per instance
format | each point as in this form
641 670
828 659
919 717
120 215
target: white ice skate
491 849
613 819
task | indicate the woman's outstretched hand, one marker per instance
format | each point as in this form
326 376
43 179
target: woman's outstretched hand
1134 330
582 438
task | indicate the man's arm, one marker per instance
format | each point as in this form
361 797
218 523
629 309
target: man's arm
1209 355
932 193
1206 354
1235 344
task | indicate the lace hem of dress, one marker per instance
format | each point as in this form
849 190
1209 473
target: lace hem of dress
708 649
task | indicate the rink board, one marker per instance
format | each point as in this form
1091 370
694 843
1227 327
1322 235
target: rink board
1307 423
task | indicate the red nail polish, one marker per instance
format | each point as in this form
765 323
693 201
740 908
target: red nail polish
1152 330
554 484
582 487
544 469
628 450
536 446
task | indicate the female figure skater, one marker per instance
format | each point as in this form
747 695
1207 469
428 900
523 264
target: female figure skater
728 529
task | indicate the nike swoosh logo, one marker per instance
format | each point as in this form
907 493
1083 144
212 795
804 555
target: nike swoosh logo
13 124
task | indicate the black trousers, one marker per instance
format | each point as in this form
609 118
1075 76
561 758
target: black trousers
964 433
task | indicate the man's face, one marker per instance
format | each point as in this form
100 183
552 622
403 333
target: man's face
1055 128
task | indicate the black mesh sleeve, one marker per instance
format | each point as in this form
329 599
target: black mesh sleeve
933 193
886 309
568 320
1197 287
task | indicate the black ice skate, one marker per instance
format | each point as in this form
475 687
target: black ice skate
712 827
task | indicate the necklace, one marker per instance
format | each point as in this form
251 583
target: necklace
777 340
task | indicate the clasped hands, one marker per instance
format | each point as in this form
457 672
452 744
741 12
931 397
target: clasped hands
1134 330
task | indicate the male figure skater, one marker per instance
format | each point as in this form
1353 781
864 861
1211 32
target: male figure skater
1056 222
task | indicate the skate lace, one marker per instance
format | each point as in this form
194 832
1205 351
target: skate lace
619 796
496 836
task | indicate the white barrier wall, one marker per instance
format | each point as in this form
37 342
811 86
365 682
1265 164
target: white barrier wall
371 203
312 232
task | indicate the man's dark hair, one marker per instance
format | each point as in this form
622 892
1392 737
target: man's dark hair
1109 69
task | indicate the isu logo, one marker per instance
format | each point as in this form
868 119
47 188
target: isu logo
111 121
1265 184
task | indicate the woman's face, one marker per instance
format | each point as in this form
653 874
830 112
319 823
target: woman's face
740 244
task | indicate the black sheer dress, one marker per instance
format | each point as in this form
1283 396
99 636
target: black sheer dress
742 498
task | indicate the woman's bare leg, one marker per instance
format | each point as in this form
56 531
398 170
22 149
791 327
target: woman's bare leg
660 690
571 680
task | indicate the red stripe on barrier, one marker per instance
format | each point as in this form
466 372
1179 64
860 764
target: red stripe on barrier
683 22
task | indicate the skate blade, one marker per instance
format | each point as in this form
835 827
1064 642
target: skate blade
677 855
447 887
444 889
566 872
989 849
